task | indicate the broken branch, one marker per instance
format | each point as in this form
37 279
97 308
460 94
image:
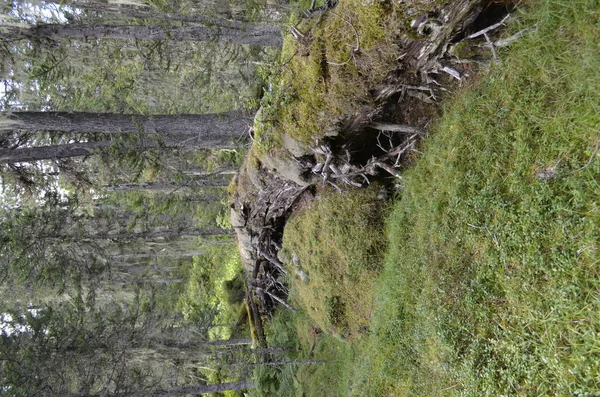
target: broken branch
407 129
489 28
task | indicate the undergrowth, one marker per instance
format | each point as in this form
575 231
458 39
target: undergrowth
338 245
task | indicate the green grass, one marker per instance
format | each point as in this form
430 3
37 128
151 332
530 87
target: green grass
491 283
339 246
329 379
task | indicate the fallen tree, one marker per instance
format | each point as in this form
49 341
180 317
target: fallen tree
356 150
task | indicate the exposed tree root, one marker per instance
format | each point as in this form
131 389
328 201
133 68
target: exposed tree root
360 149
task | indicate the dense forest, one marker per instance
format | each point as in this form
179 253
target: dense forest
122 124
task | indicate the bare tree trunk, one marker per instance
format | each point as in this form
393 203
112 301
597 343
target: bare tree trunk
251 34
157 255
156 234
277 363
54 152
26 155
232 124
169 186
181 391
137 12
231 342
199 172
177 131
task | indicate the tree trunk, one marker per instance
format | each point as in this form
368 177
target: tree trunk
177 131
225 125
26 155
203 173
137 12
181 391
156 234
231 342
168 186
153 255
277 363
200 389
252 34
54 152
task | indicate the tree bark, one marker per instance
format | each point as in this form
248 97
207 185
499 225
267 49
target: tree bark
137 12
177 131
277 363
232 124
200 389
203 173
26 155
231 342
156 234
181 391
167 186
55 152
252 34
157 255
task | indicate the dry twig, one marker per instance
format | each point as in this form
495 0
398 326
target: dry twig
591 158
491 45
489 28
405 128
356 48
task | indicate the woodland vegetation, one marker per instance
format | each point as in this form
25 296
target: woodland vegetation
299 198
122 124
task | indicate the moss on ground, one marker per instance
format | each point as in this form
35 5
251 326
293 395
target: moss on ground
339 244
328 74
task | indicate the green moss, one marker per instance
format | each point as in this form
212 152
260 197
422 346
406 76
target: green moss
338 243
320 79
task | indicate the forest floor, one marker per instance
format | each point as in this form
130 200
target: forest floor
480 275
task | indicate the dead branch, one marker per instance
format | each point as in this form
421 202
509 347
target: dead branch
509 40
404 128
339 189
491 45
277 299
274 261
356 48
591 158
489 28
296 34
256 319
452 72
387 168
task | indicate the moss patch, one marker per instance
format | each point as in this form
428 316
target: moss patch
327 73
339 244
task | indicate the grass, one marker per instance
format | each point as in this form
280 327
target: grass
491 283
339 246
331 378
